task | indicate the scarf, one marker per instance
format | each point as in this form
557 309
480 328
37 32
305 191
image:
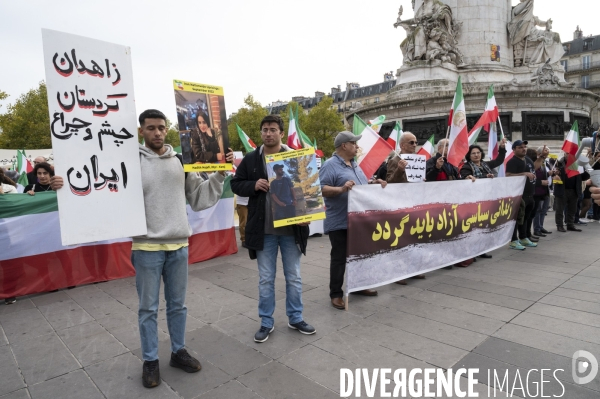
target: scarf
477 171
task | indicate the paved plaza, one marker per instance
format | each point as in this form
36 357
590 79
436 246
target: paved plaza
516 312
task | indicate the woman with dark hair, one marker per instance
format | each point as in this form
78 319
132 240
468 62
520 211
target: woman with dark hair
206 144
476 167
43 171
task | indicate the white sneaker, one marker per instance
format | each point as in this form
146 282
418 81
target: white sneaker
585 220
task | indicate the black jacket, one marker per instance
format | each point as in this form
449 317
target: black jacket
432 171
251 169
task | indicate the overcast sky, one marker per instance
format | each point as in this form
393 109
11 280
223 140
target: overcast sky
270 49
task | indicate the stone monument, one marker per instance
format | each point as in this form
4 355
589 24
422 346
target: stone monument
485 42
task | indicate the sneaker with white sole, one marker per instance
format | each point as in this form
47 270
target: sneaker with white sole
516 245
263 334
303 327
526 242
585 220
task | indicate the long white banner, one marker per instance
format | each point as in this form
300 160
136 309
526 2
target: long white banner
408 229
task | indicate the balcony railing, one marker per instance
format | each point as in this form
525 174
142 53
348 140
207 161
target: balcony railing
582 67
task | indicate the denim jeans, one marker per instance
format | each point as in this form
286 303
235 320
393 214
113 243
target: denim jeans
540 215
267 266
150 266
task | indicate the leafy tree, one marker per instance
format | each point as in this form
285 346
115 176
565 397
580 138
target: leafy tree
323 123
26 124
248 118
302 175
3 96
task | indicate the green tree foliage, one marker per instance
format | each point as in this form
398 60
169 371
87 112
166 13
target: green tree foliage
323 123
172 135
3 96
302 175
26 124
248 118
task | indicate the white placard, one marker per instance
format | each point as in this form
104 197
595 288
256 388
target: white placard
415 170
94 138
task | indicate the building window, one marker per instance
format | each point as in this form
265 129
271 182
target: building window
565 64
587 44
376 100
585 81
585 61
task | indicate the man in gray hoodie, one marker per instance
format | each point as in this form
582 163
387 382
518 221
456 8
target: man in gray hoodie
163 251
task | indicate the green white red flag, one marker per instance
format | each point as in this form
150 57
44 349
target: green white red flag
394 139
428 149
459 137
373 149
376 123
293 140
570 148
490 115
23 167
246 141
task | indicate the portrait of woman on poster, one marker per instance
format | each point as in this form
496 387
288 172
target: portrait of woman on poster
207 144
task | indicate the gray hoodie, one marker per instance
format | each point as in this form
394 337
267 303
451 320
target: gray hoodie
166 189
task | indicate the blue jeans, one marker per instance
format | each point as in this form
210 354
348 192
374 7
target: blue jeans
540 215
149 267
267 266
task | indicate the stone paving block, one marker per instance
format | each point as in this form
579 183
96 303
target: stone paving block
526 357
48 298
453 317
74 385
103 306
537 278
188 385
365 353
118 320
570 303
206 310
21 304
232 389
430 351
444 333
575 316
227 353
575 294
591 271
3 339
560 327
64 314
555 258
585 280
531 383
503 281
90 343
325 371
466 305
287 384
537 269
496 289
20 394
545 341
24 325
485 297
43 358
121 377
243 329
9 372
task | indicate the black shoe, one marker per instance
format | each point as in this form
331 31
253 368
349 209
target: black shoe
539 234
533 239
263 334
561 229
485 256
545 231
573 228
10 301
183 360
151 374
303 327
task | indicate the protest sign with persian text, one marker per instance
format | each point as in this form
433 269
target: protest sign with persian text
415 167
404 230
93 124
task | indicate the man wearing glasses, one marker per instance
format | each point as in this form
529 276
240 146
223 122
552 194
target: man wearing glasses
264 241
337 176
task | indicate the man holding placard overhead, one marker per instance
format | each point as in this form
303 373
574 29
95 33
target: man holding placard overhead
163 251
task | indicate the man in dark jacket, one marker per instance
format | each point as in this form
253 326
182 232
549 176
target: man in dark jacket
264 240
567 190
437 168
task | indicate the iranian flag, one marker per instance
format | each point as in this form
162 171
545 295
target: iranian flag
493 141
36 261
428 149
459 137
23 167
508 157
394 139
490 115
318 152
246 141
570 148
377 123
373 149
293 140
304 139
